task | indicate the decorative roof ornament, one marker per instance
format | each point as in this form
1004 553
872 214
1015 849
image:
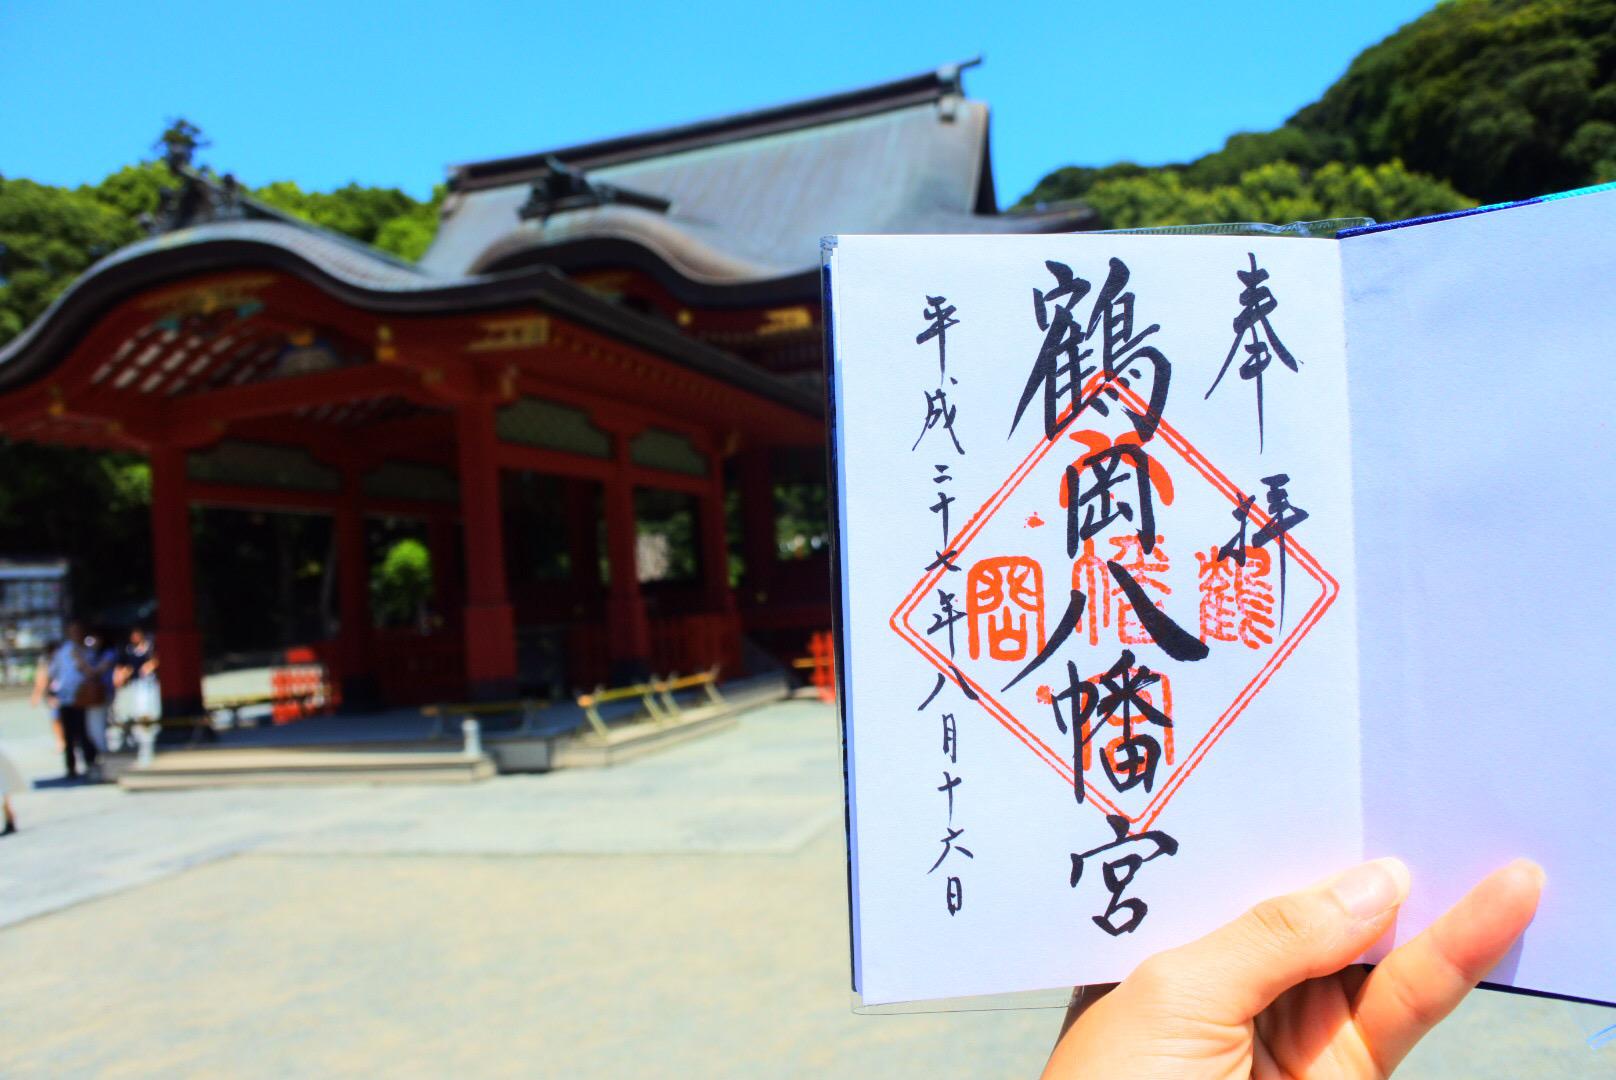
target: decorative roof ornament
179 143
951 78
198 199
200 196
558 187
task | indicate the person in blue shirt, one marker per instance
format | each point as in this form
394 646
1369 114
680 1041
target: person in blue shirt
73 687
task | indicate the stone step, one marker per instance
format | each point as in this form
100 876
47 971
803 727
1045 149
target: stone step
628 741
264 766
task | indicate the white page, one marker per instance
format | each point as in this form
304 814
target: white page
1262 793
1483 380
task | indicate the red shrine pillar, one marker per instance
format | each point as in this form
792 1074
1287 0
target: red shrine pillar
715 545
626 625
758 523
440 541
720 600
583 544
179 645
353 583
489 626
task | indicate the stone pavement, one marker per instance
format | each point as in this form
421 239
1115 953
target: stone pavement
678 916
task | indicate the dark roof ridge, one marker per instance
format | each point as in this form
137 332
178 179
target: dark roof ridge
864 101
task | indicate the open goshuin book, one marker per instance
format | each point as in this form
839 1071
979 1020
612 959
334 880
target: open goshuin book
1175 572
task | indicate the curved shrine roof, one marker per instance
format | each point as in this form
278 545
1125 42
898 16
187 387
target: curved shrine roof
370 281
746 199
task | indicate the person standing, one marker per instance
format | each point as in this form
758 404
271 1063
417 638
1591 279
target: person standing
71 682
103 656
140 701
11 782
43 689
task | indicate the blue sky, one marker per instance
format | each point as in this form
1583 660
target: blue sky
390 93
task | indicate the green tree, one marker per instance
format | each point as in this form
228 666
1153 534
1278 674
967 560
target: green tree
134 190
88 507
802 520
1277 192
1248 150
48 237
410 233
1074 181
1496 99
359 212
401 584
1490 95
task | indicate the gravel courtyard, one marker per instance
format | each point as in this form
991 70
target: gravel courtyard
679 916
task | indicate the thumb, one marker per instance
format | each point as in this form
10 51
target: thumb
1237 971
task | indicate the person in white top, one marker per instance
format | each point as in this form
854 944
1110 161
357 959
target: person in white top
139 698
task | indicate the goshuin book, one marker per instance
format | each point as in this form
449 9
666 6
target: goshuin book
1174 572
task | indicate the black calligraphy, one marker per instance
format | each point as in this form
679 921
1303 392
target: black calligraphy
941 414
1123 915
1062 376
1282 518
940 314
1257 303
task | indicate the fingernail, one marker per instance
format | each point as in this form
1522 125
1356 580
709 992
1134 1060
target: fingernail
1530 869
1372 889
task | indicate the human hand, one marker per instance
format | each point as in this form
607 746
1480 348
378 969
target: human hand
1271 994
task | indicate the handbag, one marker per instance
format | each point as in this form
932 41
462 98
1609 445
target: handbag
92 691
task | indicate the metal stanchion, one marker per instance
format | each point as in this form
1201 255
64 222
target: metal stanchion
145 745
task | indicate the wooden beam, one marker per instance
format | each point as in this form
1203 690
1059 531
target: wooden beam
26 404
429 436
277 396
249 497
103 339
553 462
366 445
591 362
325 444
640 476
560 463
420 509
601 407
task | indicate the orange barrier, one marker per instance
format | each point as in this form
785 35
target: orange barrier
821 660
299 688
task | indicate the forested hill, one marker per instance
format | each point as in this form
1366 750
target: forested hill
50 235
1475 101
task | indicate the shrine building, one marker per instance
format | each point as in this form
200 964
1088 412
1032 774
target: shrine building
603 330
